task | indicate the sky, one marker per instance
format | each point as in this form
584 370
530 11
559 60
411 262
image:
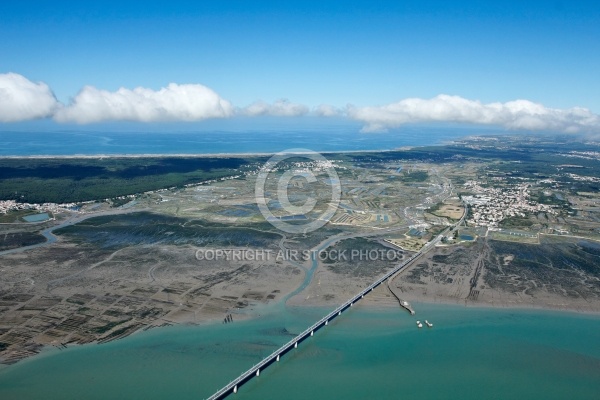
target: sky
520 65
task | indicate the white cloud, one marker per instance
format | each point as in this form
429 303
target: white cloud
280 108
173 103
21 99
326 110
518 114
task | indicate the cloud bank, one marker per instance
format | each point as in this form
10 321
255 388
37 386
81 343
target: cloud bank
22 100
326 110
518 114
173 103
280 108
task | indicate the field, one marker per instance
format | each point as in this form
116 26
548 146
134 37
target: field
408 243
514 236
452 209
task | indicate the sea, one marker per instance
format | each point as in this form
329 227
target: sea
367 353
216 142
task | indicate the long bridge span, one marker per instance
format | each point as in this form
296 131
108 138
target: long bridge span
254 371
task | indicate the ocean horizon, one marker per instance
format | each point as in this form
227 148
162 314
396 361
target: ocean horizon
37 143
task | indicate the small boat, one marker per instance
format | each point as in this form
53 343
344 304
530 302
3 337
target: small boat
429 324
419 324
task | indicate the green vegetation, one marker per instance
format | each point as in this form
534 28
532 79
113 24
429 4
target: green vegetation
73 180
560 264
551 199
20 239
416 176
516 222
143 228
356 265
118 202
63 180
434 208
15 216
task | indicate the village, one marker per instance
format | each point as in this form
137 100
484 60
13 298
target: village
490 206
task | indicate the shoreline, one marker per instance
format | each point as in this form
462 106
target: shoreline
516 307
197 155
572 309
51 350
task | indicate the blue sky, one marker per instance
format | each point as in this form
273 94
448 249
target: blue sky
363 53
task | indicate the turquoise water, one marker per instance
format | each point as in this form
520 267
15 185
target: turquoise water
37 217
470 353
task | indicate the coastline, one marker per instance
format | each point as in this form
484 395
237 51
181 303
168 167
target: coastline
298 316
506 306
195 155
372 302
243 143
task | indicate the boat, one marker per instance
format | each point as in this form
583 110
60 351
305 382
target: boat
429 324
419 324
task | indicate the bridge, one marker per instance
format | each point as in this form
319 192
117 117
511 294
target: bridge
254 371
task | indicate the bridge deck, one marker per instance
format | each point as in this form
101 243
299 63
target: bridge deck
252 372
